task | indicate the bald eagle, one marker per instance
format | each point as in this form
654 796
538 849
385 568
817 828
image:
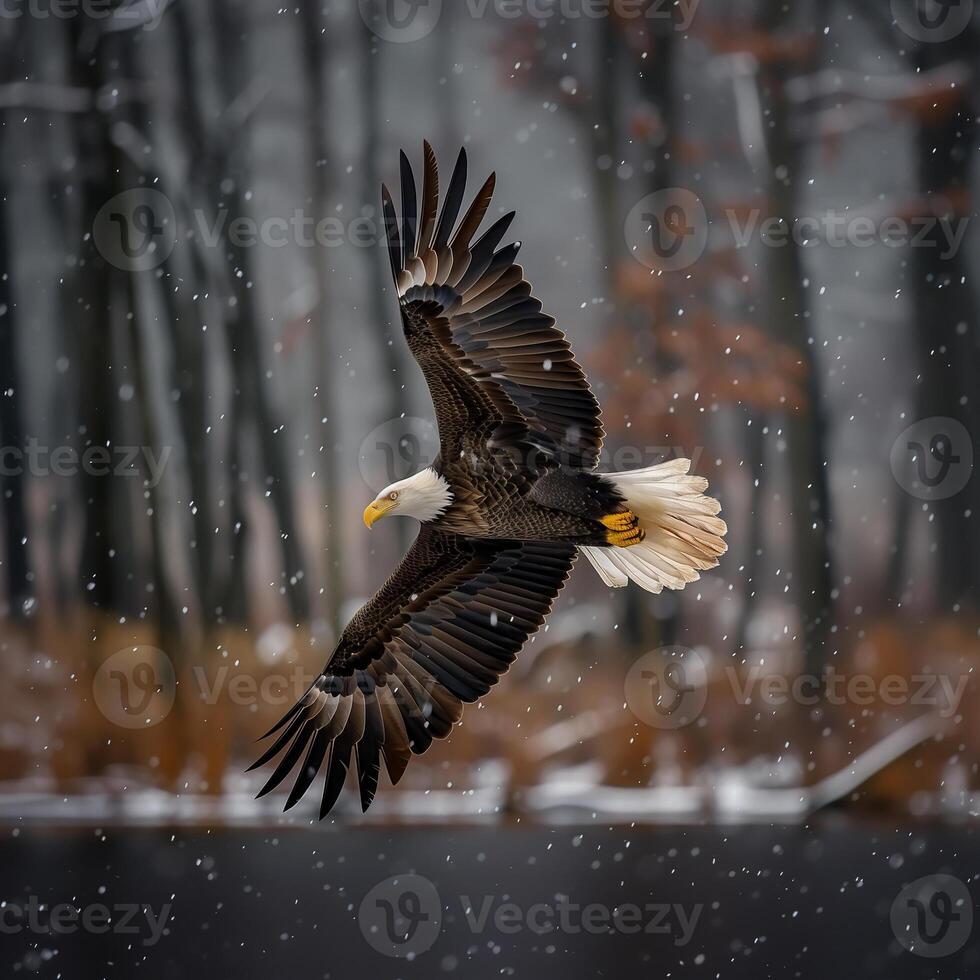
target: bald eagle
511 500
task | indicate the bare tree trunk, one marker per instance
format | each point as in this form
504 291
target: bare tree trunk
604 130
314 64
383 309
251 391
787 313
754 450
87 298
946 311
16 567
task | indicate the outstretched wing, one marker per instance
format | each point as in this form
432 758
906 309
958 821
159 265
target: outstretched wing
484 346
439 633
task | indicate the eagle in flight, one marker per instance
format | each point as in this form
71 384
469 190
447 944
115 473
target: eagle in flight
511 500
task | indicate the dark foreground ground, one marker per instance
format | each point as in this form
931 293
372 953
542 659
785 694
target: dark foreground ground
755 902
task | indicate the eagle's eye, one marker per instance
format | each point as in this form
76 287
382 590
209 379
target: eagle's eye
393 495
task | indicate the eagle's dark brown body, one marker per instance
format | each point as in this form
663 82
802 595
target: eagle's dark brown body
506 483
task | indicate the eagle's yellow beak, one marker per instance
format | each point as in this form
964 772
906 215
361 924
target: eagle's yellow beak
374 512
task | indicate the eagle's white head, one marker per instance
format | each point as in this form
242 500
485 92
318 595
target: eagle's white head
424 496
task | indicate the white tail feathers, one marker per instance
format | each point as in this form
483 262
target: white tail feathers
683 532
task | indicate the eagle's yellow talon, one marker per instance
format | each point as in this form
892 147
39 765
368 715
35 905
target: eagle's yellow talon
627 538
619 522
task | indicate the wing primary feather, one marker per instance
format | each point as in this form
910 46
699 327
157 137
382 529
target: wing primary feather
288 716
454 200
430 199
280 743
336 774
311 766
483 252
396 749
391 230
474 217
287 762
369 752
409 208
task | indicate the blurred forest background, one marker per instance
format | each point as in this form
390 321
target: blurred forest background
266 393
